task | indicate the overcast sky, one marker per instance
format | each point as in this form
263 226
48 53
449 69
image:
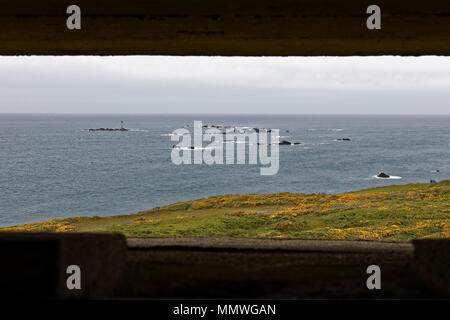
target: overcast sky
159 84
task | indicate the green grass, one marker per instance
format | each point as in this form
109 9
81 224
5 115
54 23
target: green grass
404 212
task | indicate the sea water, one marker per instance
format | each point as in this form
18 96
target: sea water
51 167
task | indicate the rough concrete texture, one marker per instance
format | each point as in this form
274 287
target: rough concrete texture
273 244
267 271
432 261
34 265
225 27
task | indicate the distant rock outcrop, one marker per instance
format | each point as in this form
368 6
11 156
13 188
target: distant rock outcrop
383 175
122 128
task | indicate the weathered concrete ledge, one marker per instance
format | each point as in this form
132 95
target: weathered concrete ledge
227 243
226 27
34 266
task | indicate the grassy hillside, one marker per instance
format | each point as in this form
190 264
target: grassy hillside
405 212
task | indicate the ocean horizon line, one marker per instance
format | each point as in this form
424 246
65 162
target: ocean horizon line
224 114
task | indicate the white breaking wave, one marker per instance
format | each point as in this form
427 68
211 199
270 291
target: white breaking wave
390 178
138 130
172 134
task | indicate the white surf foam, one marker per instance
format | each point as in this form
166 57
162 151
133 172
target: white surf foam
171 134
390 178
138 130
